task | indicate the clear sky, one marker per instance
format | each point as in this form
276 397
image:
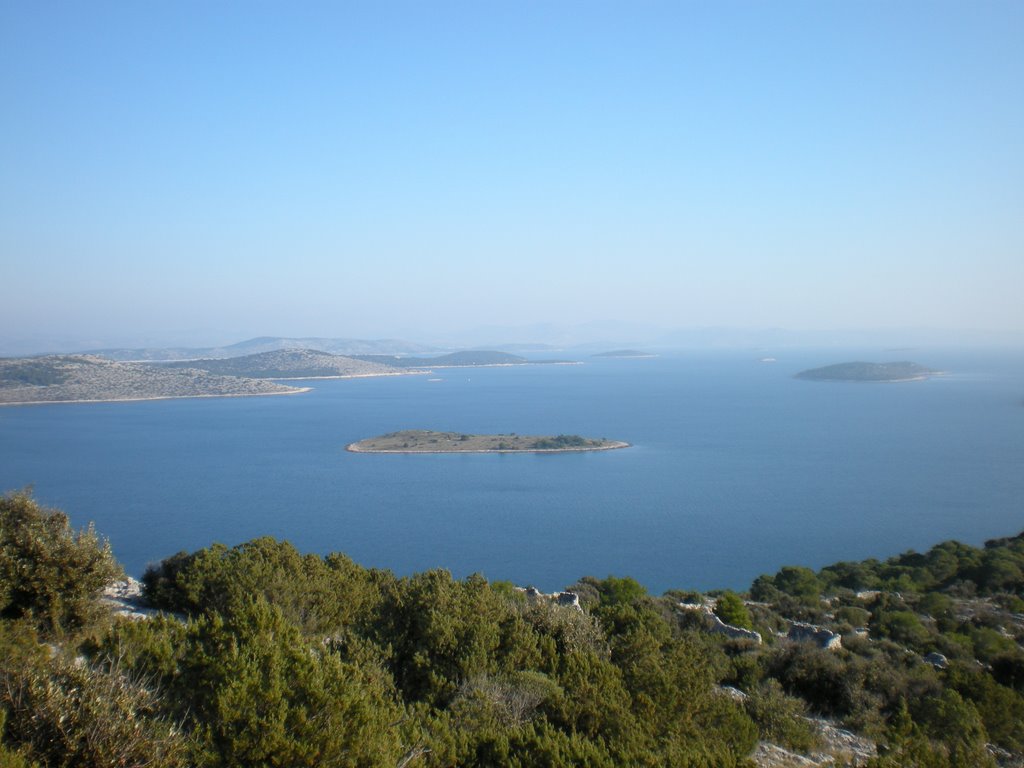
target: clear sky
402 168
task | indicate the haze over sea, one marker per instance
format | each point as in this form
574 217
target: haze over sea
736 468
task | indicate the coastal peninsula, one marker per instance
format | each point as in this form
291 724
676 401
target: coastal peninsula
291 364
878 372
94 378
86 378
428 441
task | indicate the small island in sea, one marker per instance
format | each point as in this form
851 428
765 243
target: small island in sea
624 353
428 441
480 358
859 371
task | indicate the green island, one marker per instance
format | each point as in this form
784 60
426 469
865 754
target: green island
428 441
860 371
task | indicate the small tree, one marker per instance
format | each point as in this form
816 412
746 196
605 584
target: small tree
620 591
49 572
730 609
798 582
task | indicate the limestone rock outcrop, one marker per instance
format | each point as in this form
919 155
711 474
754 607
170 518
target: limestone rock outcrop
564 599
809 633
715 625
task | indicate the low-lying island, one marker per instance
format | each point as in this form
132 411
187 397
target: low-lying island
874 372
427 441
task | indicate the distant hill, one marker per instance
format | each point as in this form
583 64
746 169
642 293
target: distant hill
624 353
69 378
526 347
454 359
288 364
268 344
860 371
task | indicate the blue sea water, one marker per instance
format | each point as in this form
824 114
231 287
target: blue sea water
736 468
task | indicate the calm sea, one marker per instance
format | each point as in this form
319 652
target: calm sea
736 468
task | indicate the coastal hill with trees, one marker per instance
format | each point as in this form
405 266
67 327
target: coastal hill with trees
260 655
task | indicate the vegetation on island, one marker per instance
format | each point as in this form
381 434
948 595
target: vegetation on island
429 441
77 378
287 364
859 371
266 656
468 358
84 378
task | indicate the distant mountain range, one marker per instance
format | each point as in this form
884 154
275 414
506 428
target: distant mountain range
269 344
543 338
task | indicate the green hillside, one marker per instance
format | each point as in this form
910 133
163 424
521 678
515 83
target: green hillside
265 656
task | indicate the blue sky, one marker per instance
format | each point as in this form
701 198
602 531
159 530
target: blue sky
378 168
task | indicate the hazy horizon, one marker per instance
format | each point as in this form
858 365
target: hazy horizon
196 175
592 337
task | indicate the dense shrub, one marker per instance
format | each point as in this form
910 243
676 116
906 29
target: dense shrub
615 590
780 719
319 595
49 572
730 609
253 691
68 714
301 660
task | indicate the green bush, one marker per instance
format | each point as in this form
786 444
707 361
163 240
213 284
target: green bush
852 615
319 595
615 590
780 719
12 758
49 572
730 609
298 660
66 714
250 689
901 626
798 581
